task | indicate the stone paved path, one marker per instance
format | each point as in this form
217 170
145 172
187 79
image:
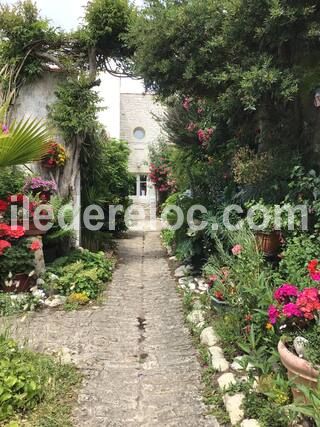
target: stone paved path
135 351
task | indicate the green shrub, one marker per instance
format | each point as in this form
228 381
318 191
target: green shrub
81 272
11 181
20 382
13 304
16 259
293 266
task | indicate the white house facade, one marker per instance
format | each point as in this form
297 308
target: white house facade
131 115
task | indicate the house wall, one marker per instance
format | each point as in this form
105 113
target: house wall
140 111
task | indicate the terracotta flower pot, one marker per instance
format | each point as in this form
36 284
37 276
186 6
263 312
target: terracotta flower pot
299 371
21 283
268 243
33 230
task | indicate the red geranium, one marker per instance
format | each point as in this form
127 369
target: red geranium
4 229
15 232
3 205
35 245
16 199
4 245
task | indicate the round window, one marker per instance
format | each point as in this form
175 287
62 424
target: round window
139 133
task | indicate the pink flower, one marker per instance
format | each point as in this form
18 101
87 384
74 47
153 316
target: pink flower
191 127
186 104
35 245
285 292
315 276
273 314
236 250
201 135
5 129
292 310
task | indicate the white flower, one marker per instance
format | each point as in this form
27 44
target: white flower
32 273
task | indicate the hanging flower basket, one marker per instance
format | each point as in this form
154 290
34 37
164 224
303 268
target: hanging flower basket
56 156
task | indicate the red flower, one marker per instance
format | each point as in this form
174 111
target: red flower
312 265
248 318
3 205
4 245
35 245
4 229
219 295
16 232
16 199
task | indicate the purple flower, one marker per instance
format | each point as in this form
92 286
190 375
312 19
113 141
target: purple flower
285 292
273 314
5 129
37 183
292 310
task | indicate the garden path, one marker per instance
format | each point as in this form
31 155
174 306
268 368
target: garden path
135 351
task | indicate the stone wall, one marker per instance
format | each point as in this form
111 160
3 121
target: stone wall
32 102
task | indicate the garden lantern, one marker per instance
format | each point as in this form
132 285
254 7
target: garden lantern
317 99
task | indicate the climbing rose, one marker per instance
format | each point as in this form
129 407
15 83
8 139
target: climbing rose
285 292
4 245
35 245
236 250
273 314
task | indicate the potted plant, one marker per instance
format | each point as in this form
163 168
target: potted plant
269 238
17 266
296 312
41 187
26 212
56 156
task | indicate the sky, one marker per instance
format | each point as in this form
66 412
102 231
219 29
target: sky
64 13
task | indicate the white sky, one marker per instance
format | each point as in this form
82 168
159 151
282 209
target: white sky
64 13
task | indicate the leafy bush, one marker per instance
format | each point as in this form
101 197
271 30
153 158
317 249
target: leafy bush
82 272
20 382
293 266
34 388
13 304
16 259
11 181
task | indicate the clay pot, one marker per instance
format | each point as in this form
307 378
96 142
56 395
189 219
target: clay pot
33 230
299 371
23 281
268 243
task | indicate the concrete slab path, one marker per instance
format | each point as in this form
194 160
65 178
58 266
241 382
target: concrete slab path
135 351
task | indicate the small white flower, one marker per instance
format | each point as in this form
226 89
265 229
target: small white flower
32 273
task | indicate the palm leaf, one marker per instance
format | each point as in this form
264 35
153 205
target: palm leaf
27 141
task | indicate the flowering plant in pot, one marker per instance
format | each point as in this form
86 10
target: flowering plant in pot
56 156
17 263
38 186
25 213
296 313
268 235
